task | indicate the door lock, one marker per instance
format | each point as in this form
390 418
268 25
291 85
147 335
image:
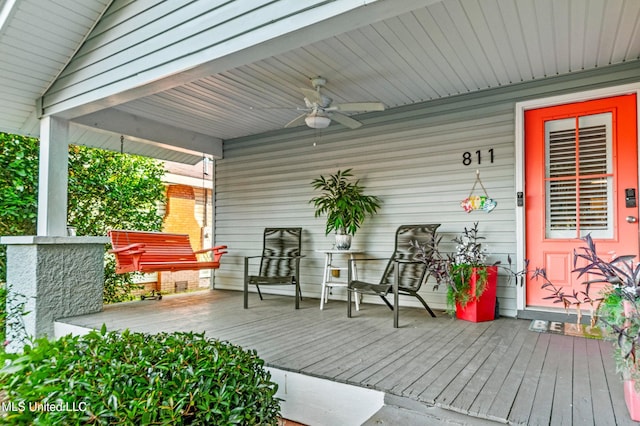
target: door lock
630 197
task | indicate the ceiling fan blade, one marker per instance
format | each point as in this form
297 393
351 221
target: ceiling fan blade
312 95
346 121
298 121
358 106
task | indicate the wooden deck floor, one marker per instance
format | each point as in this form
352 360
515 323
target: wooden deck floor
497 370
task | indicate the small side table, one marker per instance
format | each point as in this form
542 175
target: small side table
328 280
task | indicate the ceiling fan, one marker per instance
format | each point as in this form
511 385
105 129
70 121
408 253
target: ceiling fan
319 111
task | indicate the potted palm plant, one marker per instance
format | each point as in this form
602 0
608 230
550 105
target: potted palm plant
344 203
615 308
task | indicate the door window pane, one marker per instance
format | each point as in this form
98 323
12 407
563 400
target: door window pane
579 177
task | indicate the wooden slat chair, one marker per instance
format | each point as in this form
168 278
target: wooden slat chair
403 273
279 262
144 251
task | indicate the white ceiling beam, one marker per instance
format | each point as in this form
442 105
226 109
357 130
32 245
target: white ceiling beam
143 130
6 11
279 36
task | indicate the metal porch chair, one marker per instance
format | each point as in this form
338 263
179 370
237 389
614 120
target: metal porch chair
403 274
279 262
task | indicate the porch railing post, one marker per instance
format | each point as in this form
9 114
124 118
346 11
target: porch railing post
49 278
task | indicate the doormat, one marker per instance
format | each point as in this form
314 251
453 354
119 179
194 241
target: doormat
568 329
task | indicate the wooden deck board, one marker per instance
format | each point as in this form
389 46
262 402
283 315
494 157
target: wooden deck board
442 380
600 398
522 405
364 364
543 398
562 409
498 381
614 383
406 371
432 384
351 355
475 382
497 370
582 411
312 355
392 353
504 405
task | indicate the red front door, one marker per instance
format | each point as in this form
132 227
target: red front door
581 177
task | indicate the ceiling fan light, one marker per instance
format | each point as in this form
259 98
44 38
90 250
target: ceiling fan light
317 121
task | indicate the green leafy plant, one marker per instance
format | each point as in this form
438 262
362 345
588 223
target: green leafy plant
112 190
611 313
459 291
3 313
343 201
18 189
117 287
109 190
106 190
469 259
455 270
616 308
106 378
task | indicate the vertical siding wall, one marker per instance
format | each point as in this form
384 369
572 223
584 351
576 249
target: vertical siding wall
412 158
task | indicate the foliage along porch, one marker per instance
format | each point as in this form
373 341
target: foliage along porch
497 370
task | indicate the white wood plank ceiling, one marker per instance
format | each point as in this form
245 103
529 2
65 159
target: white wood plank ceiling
37 40
447 48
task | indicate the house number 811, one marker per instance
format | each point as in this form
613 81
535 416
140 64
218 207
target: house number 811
467 157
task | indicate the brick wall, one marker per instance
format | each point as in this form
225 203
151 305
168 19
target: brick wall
187 211
180 218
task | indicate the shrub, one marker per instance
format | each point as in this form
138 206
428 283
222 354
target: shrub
106 190
108 378
617 307
3 313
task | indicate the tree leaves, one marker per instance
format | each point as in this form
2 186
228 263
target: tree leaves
106 190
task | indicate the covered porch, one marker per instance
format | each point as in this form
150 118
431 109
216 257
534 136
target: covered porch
226 81
185 81
437 370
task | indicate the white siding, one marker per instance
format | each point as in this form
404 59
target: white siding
141 42
410 157
415 168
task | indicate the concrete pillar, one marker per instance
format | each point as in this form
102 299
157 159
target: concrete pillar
53 278
53 177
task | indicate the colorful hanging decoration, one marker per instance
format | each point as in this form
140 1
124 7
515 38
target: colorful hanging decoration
478 202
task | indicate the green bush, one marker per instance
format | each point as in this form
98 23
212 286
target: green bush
18 188
107 378
107 190
3 313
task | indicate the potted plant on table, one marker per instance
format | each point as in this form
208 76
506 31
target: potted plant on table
471 283
344 203
615 308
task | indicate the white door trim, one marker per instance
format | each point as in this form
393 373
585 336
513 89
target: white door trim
520 109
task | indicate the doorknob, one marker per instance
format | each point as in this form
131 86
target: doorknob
632 219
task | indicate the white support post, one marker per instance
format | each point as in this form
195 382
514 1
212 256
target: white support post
53 177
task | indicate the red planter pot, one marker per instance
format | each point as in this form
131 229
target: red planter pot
632 398
484 308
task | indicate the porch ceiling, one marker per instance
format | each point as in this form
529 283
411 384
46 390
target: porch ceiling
443 48
449 48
